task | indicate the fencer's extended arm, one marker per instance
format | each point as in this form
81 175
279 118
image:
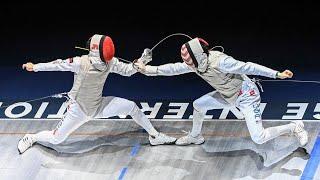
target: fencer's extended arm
124 69
170 69
71 64
230 65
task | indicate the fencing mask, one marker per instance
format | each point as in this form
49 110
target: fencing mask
101 46
195 54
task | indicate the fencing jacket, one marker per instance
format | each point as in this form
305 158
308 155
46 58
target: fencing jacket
224 73
88 81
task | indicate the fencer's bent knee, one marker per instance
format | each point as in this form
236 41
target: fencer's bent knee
197 105
258 139
132 106
57 140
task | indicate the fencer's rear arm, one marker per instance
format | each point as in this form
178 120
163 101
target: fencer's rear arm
70 64
170 69
230 65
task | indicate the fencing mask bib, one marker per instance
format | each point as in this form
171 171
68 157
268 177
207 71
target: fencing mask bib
195 54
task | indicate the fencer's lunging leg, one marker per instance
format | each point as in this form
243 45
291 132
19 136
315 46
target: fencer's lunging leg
194 137
260 135
198 117
249 104
71 121
155 137
140 118
212 100
114 106
257 132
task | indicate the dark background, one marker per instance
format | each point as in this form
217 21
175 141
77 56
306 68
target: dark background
280 35
276 34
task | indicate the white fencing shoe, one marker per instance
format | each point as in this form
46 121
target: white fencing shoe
25 143
188 139
300 133
161 139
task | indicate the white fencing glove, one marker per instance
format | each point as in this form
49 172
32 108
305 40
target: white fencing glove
147 70
146 56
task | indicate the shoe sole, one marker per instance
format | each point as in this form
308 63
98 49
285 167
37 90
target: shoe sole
191 144
19 151
18 147
170 143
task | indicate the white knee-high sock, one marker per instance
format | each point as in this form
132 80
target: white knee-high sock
44 136
197 122
140 118
273 132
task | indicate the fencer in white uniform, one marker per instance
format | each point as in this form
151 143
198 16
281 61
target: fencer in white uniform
232 88
86 101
